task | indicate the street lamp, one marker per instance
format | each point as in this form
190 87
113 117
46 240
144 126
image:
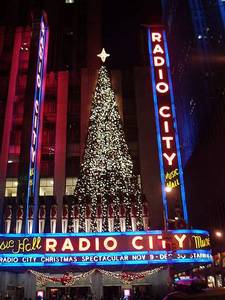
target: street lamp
168 189
218 233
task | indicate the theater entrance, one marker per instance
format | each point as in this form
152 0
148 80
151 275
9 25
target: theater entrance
58 293
142 292
112 292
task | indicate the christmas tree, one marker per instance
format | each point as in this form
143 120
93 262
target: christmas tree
107 168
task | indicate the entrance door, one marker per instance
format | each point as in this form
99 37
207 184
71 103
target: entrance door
111 292
81 293
142 292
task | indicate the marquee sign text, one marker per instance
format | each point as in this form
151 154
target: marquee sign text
150 247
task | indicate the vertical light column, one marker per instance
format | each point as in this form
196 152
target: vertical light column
38 89
60 142
171 171
9 113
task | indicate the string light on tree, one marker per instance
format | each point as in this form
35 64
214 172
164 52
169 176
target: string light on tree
107 168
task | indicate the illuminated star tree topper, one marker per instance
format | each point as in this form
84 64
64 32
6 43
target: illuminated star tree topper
103 55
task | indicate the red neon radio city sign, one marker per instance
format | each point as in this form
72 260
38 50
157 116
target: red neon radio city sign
167 137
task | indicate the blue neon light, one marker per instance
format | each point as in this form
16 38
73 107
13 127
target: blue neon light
39 98
144 262
109 254
130 262
183 196
155 98
221 5
160 154
96 234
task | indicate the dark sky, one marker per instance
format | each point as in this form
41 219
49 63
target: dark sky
120 21
116 11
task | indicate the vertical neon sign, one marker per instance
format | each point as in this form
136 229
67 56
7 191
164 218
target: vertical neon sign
33 176
171 172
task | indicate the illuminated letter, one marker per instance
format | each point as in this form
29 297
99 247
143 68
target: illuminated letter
159 61
156 37
97 244
38 80
42 28
67 245
41 48
169 158
150 240
33 152
39 68
158 49
180 239
84 244
51 245
166 126
35 121
36 105
162 87
160 72
159 237
134 240
161 111
167 139
114 245
34 137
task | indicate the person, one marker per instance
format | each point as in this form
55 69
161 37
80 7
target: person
19 219
99 214
53 217
88 215
8 218
41 217
111 215
65 218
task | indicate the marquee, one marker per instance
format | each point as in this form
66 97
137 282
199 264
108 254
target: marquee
106 248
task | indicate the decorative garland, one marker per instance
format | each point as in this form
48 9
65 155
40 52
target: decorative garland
69 279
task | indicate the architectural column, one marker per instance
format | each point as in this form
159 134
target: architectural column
88 83
9 114
97 285
148 150
60 142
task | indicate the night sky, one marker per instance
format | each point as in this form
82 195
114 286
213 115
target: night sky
121 22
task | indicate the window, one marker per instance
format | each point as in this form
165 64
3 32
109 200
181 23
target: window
11 187
46 187
70 185
69 1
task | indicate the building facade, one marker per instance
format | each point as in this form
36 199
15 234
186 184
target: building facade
48 70
196 29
